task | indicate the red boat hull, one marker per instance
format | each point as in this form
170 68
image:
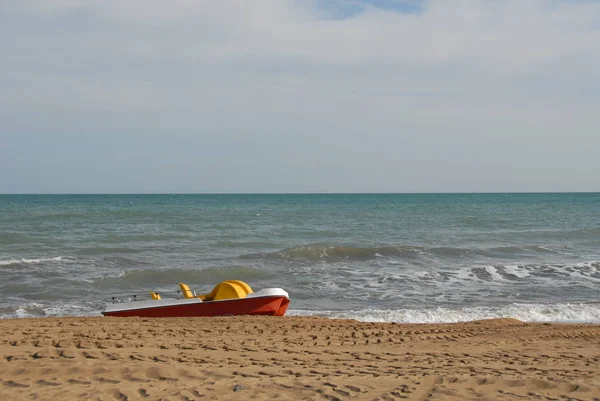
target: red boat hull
266 306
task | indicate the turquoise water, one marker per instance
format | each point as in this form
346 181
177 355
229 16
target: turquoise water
380 257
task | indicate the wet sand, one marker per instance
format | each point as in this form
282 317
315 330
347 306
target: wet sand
291 358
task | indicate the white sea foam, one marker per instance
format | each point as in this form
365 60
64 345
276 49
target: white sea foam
36 309
24 261
586 270
589 265
464 274
589 269
493 272
564 313
572 313
516 271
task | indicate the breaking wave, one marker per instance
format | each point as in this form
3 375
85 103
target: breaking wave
556 313
45 309
160 278
25 261
571 313
337 253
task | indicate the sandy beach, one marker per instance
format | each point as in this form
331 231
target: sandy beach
290 358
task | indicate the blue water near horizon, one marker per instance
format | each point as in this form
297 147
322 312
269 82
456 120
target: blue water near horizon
375 257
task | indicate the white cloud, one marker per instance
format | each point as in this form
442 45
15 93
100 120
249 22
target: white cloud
479 90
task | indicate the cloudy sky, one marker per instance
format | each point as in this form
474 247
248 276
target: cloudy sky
299 96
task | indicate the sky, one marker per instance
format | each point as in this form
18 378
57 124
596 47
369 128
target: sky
204 96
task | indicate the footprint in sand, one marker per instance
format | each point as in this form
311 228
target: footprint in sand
77 381
13 384
47 383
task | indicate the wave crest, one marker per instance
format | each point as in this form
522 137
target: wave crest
337 253
24 261
565 313
154 279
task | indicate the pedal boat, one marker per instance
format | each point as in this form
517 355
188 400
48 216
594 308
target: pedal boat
228 298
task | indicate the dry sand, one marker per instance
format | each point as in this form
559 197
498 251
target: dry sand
241 358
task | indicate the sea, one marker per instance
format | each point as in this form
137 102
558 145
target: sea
415 258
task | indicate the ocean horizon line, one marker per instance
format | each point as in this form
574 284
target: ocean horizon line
290 193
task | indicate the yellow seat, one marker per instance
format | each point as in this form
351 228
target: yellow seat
155 296
247 289
229 289
185 289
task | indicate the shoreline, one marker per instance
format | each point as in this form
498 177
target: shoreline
295 357
341 315
564 313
